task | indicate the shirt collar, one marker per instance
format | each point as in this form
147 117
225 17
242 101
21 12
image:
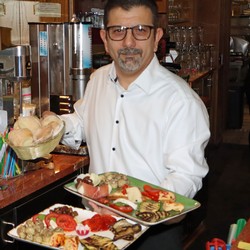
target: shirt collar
112 73
145 79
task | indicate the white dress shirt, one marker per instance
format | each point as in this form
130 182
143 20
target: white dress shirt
156 130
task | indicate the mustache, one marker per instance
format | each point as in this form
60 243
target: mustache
129 51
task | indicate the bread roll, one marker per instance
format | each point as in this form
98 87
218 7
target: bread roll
21 137
31 122
53 121
50 118
57 127
30 130
48 113
43 134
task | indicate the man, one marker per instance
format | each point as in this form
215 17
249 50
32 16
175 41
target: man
137 117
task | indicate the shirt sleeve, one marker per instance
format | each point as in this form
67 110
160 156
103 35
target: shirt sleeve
187 136
74 133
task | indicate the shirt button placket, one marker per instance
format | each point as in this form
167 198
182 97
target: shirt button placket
117 122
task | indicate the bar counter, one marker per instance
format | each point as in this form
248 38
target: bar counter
32 181
36 190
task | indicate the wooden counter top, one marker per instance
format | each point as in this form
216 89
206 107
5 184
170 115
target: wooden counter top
32 181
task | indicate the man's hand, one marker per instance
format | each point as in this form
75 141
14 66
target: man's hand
101 210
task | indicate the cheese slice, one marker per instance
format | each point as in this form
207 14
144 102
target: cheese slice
134 194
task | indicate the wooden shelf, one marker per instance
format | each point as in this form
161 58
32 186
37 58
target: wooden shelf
197 77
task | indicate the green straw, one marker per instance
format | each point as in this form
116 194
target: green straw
240 225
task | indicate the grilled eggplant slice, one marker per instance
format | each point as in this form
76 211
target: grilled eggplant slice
97 242
123 229
148 206
152 216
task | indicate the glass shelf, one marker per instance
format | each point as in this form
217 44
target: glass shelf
173 22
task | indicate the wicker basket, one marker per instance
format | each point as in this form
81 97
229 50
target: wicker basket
39 150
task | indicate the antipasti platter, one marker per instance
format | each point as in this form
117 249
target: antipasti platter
69 228
132 198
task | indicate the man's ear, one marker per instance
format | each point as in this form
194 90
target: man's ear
158 36
103 35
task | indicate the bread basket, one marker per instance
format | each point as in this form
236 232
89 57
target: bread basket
38 150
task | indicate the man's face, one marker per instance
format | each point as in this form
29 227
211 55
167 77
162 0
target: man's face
130 55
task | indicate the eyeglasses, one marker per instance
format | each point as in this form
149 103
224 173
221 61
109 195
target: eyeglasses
139 32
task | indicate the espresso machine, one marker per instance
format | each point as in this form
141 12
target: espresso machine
61 64
15 77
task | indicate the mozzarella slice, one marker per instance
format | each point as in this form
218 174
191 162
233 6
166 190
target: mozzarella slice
127 202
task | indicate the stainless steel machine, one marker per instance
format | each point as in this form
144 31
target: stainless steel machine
15 77
61 64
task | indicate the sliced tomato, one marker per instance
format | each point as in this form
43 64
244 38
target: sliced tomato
152 193
94 223
99 222
50 216
107 221
150 196
124 188
66 222
151 189
122 208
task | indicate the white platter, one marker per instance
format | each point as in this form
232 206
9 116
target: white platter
83 214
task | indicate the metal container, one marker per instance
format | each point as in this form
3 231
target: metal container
62 62
15 64
81 57
50 58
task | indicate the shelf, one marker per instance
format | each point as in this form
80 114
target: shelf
241 16
199 76
179 21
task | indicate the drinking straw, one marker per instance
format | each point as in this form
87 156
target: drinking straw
8 159
232 232
7 163
2 151
12 164
240 224
18 170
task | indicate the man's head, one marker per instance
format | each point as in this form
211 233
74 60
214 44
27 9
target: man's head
131 35
127 5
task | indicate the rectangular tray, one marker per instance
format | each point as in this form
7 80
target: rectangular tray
82 215
188 203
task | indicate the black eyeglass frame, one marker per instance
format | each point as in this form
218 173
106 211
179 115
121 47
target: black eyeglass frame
132 30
